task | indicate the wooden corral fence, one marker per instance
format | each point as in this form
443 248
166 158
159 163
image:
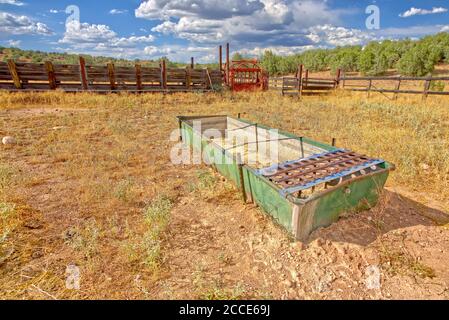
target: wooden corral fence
301 84
304 85
402 85
22 76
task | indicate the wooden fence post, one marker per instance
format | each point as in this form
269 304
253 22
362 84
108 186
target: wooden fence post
138 77
337 78
227 64
164 74
192 62
282 88
370 84
83 74
51 75
300 71
209 78
426 88
111 73
398 87
220 57
15 75
188 78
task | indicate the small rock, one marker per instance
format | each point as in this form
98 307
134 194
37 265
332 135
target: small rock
297 246
373 277
288 284
424 166
8 140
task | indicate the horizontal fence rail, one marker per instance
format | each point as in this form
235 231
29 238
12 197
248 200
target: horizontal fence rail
298 85
370 84
304 86
24 76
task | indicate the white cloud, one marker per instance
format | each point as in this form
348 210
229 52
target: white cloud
131 41
77 32
14 43
153 51
54 11
207 9
338 36
12 2
279 50
20 24
413 31
417 11
118 11
99 39
85 33
445 29
257 23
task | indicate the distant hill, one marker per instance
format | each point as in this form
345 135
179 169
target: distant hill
66 58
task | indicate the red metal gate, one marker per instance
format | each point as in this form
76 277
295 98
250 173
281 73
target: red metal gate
247 75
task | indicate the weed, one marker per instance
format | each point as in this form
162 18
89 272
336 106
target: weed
156 216
6 174
217 292
157 212
206 180
124 190
403 263
84 238
225 258
7 214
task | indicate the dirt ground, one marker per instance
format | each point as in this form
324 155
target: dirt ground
78 185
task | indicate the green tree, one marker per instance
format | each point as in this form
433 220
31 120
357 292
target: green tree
270 62
419 61
374 59
345 58
237 56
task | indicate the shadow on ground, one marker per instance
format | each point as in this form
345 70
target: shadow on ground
395 212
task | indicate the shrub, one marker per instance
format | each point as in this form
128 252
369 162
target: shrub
419 61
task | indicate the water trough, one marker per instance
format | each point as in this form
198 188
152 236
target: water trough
301 183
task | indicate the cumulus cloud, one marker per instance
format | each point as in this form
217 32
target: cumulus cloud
338 36
19 24
153 51
206 9
12 2
248 24
417 11
77 32
101 39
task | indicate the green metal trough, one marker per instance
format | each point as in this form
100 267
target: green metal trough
304 186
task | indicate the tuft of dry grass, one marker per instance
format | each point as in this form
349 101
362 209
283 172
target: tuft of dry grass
403 263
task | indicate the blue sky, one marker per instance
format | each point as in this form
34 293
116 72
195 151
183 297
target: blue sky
180 29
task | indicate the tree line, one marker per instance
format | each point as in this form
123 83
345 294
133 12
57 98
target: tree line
34 56
409 57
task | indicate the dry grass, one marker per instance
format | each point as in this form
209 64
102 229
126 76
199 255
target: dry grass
98 170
